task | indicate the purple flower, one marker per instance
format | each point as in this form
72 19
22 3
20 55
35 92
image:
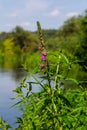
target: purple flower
42 66
44 53
43 58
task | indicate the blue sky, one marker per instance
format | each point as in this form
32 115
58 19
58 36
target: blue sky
50 13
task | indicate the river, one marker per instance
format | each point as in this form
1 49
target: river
9 80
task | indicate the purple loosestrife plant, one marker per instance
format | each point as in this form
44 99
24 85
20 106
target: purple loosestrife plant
52 108
43 58
43 52
42 66
43 55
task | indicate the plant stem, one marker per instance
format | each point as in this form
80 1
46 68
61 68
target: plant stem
56 77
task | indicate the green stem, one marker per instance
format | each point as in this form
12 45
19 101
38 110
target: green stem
48 74
56 77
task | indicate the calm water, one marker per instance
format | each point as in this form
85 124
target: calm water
9 80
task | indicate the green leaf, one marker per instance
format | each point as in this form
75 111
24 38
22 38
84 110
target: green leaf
18 90
65 58
17 103
71 79
19 120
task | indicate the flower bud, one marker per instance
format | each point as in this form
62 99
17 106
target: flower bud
42 66
43 58
44 53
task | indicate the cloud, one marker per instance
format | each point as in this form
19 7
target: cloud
24 24
72 14
55 12
13 14
7 25
35 5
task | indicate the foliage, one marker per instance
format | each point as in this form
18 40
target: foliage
24 39
70 38
53 107
81 51
4 125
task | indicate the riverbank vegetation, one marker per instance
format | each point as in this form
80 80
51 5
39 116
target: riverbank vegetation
19 47
54 107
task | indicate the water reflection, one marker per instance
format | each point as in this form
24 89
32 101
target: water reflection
8 82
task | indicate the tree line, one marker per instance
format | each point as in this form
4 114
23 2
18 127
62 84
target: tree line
71 38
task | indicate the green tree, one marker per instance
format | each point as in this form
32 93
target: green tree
82 49
26 40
